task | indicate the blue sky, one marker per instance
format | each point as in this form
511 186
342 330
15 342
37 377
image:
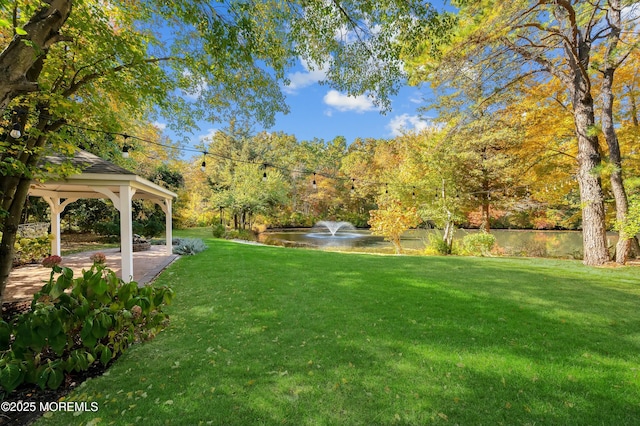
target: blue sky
318 111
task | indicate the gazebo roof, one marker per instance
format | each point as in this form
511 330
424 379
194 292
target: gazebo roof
96 172
102 179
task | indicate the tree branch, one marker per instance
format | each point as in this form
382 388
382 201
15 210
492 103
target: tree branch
90 77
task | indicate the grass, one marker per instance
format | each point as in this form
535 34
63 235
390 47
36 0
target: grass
268 335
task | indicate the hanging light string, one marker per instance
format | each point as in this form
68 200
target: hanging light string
264 165
126 148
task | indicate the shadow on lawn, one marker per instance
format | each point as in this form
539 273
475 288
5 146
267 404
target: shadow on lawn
468 337
270 335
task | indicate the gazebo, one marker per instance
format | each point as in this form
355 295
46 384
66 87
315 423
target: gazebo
102 179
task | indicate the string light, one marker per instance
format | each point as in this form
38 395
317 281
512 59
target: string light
125 147
353 186
264 175
15 132
203 166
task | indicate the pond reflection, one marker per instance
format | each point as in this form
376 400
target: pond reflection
567 244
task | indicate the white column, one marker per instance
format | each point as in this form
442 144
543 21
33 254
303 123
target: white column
55 231
168 227
57 207
126 232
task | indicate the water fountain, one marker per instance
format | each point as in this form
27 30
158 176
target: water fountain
329 233
334 226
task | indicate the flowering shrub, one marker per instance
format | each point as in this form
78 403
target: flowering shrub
77 322
98 258
51 261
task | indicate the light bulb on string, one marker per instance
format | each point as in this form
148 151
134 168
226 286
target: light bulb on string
15 132
125 147
315 186
386 188
353 186
203 166
413 193
264 175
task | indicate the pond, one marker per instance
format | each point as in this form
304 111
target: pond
566 244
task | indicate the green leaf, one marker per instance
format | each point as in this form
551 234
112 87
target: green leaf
106 355
19 31
11 376
100 287
55 378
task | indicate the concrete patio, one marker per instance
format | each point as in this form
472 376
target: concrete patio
26 280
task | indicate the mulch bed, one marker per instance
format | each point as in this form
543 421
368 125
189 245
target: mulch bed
33 393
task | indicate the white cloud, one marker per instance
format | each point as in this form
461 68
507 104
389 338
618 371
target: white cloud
345 103
160 126
404 123
301 79
208 136
198 85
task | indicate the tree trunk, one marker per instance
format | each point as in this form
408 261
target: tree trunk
10 230
18 60
617 185
594 231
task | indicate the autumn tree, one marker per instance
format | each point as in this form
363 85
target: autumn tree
544 38
392 218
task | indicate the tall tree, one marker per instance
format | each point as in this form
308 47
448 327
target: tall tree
617 49
553 38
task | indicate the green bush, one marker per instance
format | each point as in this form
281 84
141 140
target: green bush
240 234
478 244
107 228
29 250
188 246
77 322
218 230
437 245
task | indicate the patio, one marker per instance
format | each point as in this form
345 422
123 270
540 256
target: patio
24 281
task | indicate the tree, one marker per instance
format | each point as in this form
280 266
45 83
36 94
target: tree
542 38
63 62
391 219
616 52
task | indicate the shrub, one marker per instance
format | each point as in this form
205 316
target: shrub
479 244
188 246
75 323
218 230
240 234
32 250
437 245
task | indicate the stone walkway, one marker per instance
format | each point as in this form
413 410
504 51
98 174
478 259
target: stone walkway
26 280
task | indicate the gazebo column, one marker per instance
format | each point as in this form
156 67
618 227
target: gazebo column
165 205
126 232
57 206
122 202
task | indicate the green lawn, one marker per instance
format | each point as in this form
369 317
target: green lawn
268 335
